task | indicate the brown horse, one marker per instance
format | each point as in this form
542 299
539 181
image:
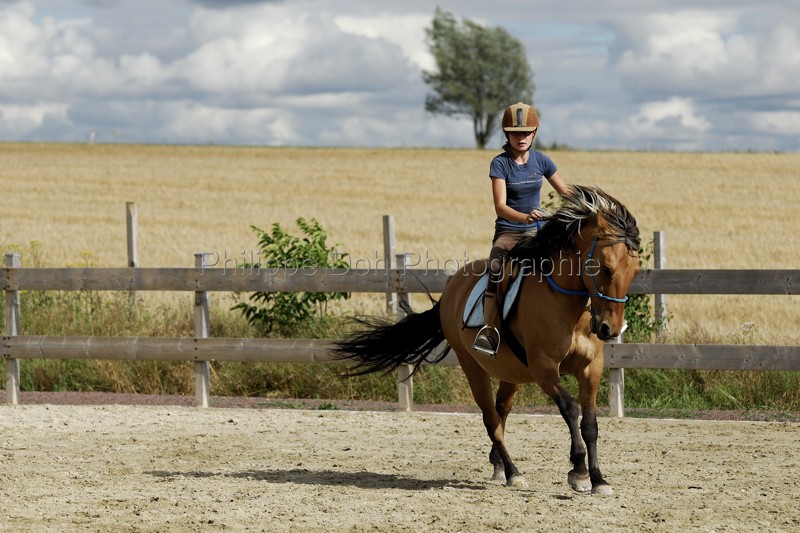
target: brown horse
577 269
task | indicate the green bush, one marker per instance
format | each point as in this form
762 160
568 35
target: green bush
285 312
642 326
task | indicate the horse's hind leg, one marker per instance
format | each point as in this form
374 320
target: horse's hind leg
503 403
481 386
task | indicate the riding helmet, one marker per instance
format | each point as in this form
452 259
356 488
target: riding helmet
520 117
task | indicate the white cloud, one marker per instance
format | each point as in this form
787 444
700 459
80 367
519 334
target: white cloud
243 50
271 49
406 31
781 123
144 70
686 49
29 50
58 60
718 76
359 65
24 119
195 123
780 61
674 121
681 109
709 52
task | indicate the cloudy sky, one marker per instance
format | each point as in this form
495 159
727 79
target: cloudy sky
699 75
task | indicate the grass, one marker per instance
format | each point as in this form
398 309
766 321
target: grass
90 313
65 206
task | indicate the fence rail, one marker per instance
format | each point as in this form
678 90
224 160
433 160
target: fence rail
407 280
396 281
168 349
702 356
683 356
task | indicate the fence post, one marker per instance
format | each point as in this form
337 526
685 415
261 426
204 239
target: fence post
389 258
405 383
201 330
660 262
616 388
12 329
132 223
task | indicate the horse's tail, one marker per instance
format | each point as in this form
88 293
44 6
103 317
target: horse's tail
384 345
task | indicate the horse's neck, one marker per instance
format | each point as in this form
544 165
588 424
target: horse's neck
567 271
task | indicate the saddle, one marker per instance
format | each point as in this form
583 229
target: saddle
507 292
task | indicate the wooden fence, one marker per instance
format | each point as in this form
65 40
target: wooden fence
396 280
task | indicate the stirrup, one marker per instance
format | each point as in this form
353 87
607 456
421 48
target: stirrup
487 341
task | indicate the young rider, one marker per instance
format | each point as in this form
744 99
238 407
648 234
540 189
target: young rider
517 175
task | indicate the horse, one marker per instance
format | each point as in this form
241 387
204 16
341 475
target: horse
576 272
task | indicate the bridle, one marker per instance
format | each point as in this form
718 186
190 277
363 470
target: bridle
594 283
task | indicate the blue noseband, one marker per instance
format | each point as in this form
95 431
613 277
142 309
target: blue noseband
594 283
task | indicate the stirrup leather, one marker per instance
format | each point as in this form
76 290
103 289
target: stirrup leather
487 335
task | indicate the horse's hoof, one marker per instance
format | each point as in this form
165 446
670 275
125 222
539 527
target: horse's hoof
579 483
499 476
517 482
602 490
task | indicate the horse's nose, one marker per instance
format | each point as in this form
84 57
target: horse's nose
604 332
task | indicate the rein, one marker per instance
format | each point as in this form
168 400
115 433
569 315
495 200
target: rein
594 283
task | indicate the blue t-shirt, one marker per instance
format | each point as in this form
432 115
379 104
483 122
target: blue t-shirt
523 185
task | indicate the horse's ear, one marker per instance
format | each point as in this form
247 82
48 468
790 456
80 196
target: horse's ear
590 220
597 220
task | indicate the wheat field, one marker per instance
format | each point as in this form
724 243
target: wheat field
65 205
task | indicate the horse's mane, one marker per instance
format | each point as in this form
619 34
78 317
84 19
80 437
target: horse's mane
559 229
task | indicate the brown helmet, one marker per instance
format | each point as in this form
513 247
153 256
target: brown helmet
520 117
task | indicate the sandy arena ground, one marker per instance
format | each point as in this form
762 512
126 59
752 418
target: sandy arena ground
166 468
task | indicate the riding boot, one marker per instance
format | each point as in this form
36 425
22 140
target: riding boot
488 339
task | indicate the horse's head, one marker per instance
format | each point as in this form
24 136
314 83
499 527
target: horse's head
605 237
608 244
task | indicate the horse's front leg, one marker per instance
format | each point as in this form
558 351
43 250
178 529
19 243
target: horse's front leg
578 477
550 382
589 432
588 383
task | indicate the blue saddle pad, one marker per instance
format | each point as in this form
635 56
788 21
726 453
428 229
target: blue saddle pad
473 310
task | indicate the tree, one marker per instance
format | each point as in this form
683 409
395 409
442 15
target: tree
479 72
